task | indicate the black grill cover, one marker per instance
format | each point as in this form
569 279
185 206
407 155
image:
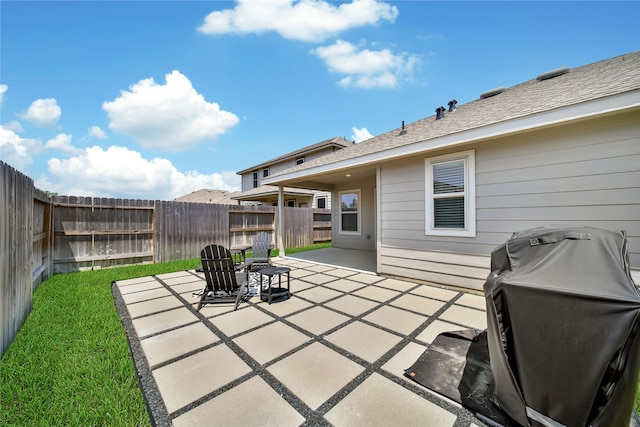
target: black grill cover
563 318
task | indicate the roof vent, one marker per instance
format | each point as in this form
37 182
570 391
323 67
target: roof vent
452 105
440 113
492 92
553 73
403 131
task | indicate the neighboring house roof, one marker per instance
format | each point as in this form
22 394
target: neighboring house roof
270 190
601 87
337 142
206 195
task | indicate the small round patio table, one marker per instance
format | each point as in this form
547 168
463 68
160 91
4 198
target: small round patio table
275 292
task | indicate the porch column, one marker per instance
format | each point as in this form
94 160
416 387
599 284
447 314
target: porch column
280 242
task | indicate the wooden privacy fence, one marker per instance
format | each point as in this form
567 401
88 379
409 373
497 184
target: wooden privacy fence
42 235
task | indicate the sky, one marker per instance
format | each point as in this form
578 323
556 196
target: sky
156 99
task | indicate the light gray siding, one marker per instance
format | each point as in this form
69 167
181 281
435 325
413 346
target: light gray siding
366 239
585 173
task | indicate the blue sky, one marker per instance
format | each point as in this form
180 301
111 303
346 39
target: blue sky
155 99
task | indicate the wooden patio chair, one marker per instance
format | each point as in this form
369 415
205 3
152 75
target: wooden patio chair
225 281
260 254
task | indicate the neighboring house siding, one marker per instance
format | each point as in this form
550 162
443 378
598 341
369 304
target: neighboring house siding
326 195
585 173
366 239
247 178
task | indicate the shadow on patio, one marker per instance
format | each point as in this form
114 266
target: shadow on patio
332 354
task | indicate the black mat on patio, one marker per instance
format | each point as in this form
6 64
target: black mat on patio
456 365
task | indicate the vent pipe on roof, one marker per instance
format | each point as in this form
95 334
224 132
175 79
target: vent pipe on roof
553 73
440 113
452 105
403 125
492 92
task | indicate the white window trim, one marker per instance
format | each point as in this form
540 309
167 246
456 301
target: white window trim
359 213
469 158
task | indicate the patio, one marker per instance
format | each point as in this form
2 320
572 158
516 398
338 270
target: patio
332 354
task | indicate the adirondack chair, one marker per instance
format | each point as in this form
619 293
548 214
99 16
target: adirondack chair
225 281
260 255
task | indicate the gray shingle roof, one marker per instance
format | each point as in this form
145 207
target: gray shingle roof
581 84
337 142
269 190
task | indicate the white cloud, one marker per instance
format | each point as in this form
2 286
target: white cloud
120 172
13 125
3 89
170 117
17 151
306 20
43 112
62 142
360 135
367 68
96 132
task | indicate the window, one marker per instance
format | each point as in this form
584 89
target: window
265 172
322 203
290 203
450 195
299 161
350 212
255 179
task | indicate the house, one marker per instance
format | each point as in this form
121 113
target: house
254 191
435 197
206 195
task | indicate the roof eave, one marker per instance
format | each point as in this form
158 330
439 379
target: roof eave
606 105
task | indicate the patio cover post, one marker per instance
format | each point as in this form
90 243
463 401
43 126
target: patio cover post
280 242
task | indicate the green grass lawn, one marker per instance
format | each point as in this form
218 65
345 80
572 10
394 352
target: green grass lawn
70 363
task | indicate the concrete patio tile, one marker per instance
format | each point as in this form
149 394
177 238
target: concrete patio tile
211 310
381 402
252 403
315 373
317 320
168 277
466 316
153 306
299 285
145 295
436 328
241 320
186 278
352 305
341 272
397 285
155 323
318 294
345 285
285 307
434 292
319 279
191 378
320 268
138 286
300 273
366 278
403 359
299 264
418 304
397 320
364 341
474 301
163 347
376 293
186 290
271 341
